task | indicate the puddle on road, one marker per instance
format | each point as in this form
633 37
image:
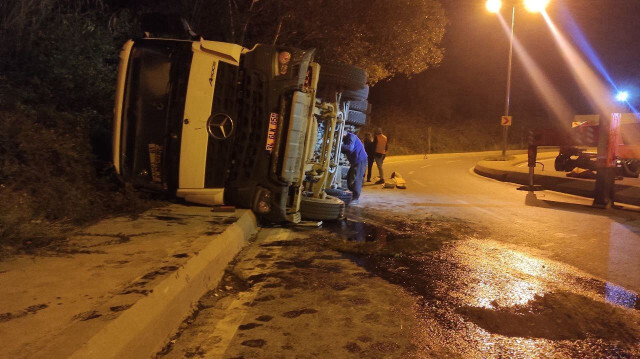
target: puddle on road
360 231
619 296
401 252
476 298
514 300
557 316
396 238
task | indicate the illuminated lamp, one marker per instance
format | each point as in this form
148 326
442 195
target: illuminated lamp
622 96
536 5
494 6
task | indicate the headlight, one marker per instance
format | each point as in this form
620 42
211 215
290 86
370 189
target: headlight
284 57
262 204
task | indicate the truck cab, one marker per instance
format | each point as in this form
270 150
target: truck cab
216 123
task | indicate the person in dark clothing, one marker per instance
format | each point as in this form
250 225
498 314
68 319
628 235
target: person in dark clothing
354 150
381 146
370 149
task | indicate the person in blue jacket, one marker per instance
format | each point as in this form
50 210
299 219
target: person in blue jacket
353 148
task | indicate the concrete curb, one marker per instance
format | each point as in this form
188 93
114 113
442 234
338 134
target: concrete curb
506 171
142 330
405 158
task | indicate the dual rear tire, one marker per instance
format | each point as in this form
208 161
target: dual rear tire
318 209
345 195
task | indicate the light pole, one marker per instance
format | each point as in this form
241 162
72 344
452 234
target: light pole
494 6
507 100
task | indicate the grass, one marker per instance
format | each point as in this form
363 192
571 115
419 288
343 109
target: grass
50 180
408 132
56 96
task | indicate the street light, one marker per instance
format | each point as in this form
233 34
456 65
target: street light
494 6
536 5
622 96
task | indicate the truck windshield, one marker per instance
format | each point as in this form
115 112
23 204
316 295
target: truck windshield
152 113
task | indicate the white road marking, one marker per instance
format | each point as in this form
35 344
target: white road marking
412 172
564 235
425 166
420 183
454 161
404 161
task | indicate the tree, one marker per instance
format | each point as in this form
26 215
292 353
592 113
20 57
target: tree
384 37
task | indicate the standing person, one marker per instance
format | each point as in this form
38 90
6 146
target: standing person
381 145
354 150
370 149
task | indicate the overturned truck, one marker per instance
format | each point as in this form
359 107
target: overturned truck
216 123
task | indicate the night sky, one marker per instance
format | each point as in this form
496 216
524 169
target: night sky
473 74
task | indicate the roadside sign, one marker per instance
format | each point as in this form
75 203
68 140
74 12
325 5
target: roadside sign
505 120
590 119
575 124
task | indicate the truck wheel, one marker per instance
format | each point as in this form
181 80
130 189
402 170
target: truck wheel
360 94
343 172
356 118
361 106
345 195
343 76
630 168
317 209
563 163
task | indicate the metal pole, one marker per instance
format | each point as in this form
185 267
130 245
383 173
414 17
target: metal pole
505 129
604 193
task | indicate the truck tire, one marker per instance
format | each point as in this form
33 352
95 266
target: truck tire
630 168
345 195
563 163
343 172
356 118
362 106
360 94
345 77
316 209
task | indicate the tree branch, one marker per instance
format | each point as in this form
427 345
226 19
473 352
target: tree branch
232 23
248 20
275 38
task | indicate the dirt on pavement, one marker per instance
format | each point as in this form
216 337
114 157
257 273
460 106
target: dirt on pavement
288 295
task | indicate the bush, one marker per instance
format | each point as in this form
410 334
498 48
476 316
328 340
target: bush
407 131
48 178
56 97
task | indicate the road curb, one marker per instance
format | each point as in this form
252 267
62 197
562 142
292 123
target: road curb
505 172
142 330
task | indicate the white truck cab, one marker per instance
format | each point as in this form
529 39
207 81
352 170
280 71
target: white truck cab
216 123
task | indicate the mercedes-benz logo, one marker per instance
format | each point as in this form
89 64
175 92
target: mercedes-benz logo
220 126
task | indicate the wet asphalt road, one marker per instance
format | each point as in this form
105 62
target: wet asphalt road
456 265
603 243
